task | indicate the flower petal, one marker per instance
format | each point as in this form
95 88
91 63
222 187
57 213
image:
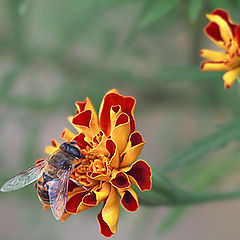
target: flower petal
230 76
53 148
224 15
97 195
108 216
213 66
213 55
80 139
120 180
132 150
140 174
224 29
237 34
84 123
65 216
113 98
99 142
86 105
74 202
113 153
90 199
129 200
121 132
67 135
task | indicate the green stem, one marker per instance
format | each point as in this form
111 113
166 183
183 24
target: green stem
153 198
164 192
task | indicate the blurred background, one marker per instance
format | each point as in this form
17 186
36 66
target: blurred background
53 53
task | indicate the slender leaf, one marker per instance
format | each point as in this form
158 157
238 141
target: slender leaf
154 198
214 141
210 174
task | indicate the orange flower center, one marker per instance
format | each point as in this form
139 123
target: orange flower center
92 166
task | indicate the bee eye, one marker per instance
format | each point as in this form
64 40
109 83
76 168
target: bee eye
75 152
64 146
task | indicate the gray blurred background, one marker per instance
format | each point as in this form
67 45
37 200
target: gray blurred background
53 53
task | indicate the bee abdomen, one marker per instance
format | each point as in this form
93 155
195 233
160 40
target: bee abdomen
42 190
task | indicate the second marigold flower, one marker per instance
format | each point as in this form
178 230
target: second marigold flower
111 147
226 35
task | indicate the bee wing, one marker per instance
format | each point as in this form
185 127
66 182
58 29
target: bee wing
58 189
24 178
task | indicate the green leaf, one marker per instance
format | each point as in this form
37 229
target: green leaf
157 11
179 197
210 174
194 9
214 141
185 73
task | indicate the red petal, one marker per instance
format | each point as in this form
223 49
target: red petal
224 14
74 201
90 199
237 34
141 172
104 228
71 186
113 99
53 143
121 180
212 29
136 138
116 108
111 147
123 118
81 105
82 119
80 140
129 202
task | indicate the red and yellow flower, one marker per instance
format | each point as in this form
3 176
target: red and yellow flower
226 35
111 147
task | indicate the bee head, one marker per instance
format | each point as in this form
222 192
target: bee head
71 147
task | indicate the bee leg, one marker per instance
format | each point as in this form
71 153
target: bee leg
79 184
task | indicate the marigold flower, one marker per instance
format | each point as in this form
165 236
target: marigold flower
111 147
226 35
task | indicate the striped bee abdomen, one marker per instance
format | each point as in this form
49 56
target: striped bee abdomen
43 188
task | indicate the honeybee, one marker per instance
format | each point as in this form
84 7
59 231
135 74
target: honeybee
52 176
